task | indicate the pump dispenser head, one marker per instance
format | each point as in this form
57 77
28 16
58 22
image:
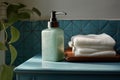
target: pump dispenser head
53 20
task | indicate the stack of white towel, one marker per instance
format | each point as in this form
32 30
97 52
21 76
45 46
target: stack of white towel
92 45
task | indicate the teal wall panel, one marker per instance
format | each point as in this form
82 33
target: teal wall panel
29 43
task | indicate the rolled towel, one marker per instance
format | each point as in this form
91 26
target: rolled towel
92 40
97 54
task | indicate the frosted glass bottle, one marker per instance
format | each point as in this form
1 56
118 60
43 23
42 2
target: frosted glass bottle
52 44
53 40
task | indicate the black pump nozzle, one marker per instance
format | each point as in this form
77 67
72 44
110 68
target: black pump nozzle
53 16
53 20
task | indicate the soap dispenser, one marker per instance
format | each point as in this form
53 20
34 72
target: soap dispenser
53 40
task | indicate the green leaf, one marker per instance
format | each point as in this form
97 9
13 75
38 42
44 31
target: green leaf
4 25
15 34
29 11
6 72
25 10
8 24
21 5
6 3
36 11
12 9
24 15
2 46
13 52
13 17
1 27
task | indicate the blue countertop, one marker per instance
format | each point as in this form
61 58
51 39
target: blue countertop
36 65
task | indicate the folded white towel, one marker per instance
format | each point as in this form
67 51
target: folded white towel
92 45
89 50
99 47
92 39
101 53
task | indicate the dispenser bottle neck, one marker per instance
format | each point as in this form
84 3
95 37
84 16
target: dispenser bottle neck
52 24
53 20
